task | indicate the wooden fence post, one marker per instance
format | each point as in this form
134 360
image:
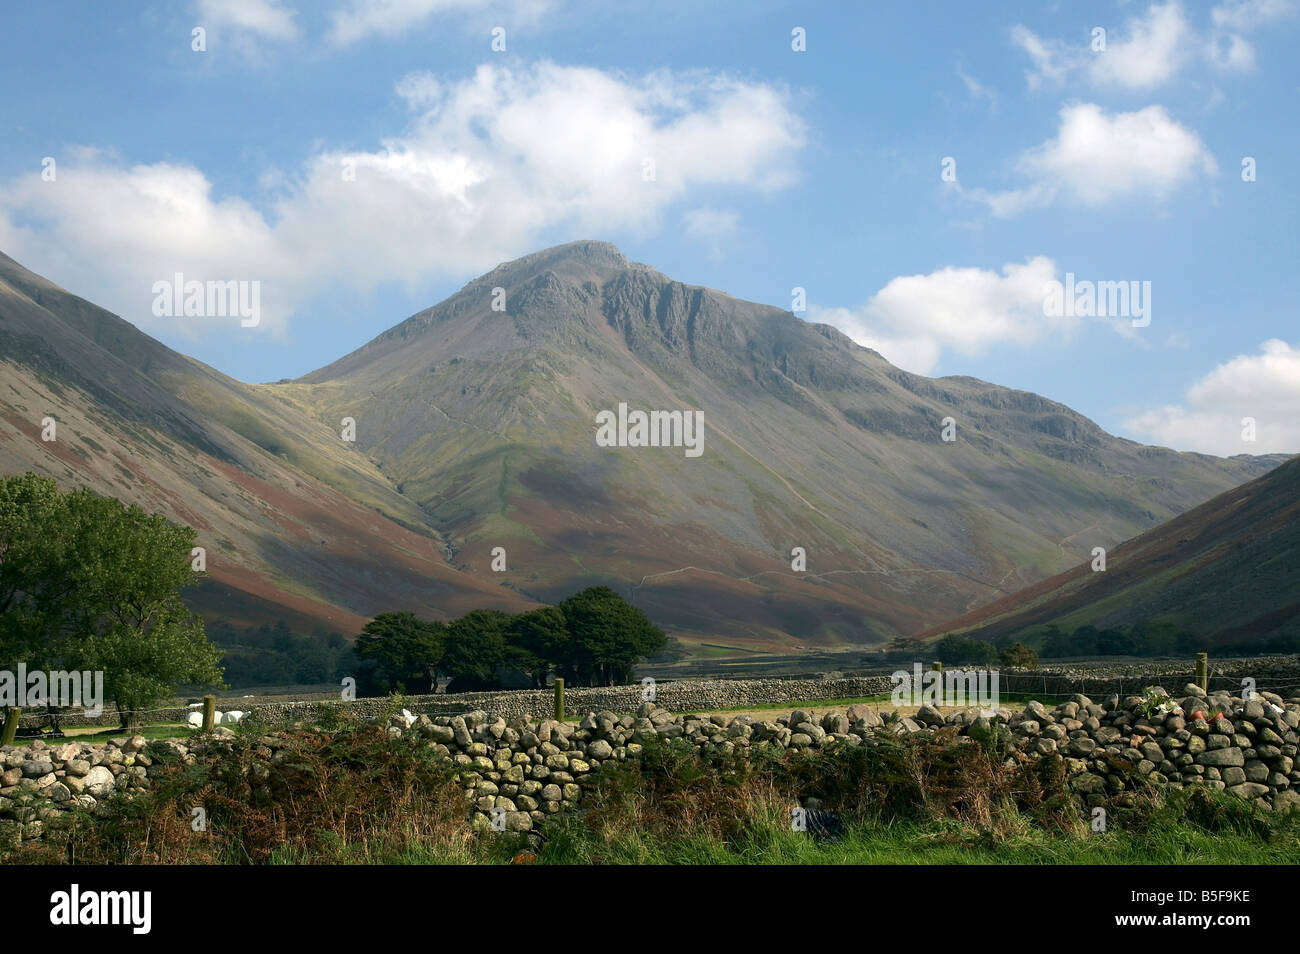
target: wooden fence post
209 712
559 700
11 725
1203 671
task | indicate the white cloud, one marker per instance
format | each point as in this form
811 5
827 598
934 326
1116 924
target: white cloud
360 19
1231 53
914 319
420 89
265 19
1264 386
1097 158
1152 49
713 227
711 223
1148 53
486 166
1053 61
108 233
1246 15
977 90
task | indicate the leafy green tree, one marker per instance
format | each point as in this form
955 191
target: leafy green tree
128 618
143 664
534 641
406 649
87 582
606 637
1054 642
37 575
1117 642
475 649
593 638
1019 656
962 650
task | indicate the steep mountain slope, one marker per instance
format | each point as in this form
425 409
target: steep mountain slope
1228 570
296 524
486 418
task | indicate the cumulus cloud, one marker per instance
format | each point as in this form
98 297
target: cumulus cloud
1098 157
1153 48
1264 387
1148 53
109 232
914 319
264 19
360 19
485 167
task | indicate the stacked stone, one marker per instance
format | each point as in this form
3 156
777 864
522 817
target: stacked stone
38 783
526 769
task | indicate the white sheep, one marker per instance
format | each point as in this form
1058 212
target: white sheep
234 716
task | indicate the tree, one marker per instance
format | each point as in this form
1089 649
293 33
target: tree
606 637
128 618
534 641
593 638
1019 656
36 570
474 650
87 582
143 664
1054 642
959 650
1116 642
406 649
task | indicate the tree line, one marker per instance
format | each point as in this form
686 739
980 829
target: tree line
593 638
274 654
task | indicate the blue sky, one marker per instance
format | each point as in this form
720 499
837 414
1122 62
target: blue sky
773 168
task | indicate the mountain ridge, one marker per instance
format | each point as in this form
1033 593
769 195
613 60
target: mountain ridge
1229 568
475 429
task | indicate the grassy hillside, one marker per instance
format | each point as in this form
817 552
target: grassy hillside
1227 571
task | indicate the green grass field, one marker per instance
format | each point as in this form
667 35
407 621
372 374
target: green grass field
885 844
95 736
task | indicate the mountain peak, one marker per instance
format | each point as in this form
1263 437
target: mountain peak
475 429
585 252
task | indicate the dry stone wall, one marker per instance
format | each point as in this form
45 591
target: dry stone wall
1050 682
523 769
